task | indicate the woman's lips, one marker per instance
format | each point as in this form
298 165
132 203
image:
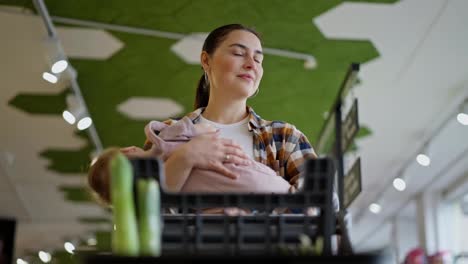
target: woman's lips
245 77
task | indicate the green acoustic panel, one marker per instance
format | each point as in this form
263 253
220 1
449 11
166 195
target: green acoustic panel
364 131
20 3
103 239
375 1
137 70
39 103
94 220
68 161
76 193
146 67
63 257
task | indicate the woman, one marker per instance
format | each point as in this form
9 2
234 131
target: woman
232 62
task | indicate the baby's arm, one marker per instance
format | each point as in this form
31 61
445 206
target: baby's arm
135 152
165 138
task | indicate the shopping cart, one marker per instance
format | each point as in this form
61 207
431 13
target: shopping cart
191 236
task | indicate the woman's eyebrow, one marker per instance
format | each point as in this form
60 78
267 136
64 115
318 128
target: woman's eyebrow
245 47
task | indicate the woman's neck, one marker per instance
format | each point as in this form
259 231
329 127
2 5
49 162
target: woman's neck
225 113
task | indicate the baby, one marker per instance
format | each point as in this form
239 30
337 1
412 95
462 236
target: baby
253 178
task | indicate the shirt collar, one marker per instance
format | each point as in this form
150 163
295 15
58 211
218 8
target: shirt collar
255 121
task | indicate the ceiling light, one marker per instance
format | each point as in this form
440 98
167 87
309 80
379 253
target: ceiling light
84 123
59 66
49 77
69 117
44 256
69 247
375 208
91 241
310 63
21 261
423 160
399 184
463 119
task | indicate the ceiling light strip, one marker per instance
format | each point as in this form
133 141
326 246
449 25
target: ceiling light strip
387 217
119 28
42 10
168 35
453 110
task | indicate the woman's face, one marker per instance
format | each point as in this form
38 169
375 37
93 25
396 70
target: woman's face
235 69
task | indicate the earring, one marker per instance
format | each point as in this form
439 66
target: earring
207 81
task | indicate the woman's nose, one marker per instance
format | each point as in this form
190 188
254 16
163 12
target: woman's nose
249 63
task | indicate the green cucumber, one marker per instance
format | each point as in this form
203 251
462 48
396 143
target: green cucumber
149 217
125 232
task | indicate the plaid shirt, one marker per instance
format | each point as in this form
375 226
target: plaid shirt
277 144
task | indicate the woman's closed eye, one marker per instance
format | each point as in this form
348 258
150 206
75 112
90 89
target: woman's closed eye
239 54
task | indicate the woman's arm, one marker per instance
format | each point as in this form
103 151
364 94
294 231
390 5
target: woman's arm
178 167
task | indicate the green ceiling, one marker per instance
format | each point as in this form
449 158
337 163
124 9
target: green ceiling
147 67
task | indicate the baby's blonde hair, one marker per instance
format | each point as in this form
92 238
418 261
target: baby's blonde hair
99 175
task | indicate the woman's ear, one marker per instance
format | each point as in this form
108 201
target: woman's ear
205 61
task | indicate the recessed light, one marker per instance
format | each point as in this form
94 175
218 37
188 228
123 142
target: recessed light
462 119
423 159
69 117
399 184
84 123
375 208
45 256
49 77
69 247
21 261
59 66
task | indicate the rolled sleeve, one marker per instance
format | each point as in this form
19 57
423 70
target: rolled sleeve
300 152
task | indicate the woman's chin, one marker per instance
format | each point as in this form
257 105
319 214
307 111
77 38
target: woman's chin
247 90
243 91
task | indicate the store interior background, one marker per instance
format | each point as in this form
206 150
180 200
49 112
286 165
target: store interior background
138 61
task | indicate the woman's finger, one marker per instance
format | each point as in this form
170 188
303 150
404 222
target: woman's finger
232 151
229 143
224 171
236 160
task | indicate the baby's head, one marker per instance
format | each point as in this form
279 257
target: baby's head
99 175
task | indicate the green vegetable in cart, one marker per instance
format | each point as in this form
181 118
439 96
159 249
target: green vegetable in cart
149 217
125 234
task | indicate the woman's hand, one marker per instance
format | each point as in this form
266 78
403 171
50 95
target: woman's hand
209 151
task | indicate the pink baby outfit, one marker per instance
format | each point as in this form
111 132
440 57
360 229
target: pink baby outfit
253 178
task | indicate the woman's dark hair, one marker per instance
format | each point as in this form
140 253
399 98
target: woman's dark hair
209 46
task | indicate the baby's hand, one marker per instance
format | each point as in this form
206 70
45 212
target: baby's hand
204 128
134 152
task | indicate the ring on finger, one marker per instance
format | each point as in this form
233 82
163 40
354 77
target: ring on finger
226 157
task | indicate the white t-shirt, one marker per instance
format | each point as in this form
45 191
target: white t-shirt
238 132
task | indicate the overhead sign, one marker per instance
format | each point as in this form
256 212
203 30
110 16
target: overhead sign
350 127
352 183
326 137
